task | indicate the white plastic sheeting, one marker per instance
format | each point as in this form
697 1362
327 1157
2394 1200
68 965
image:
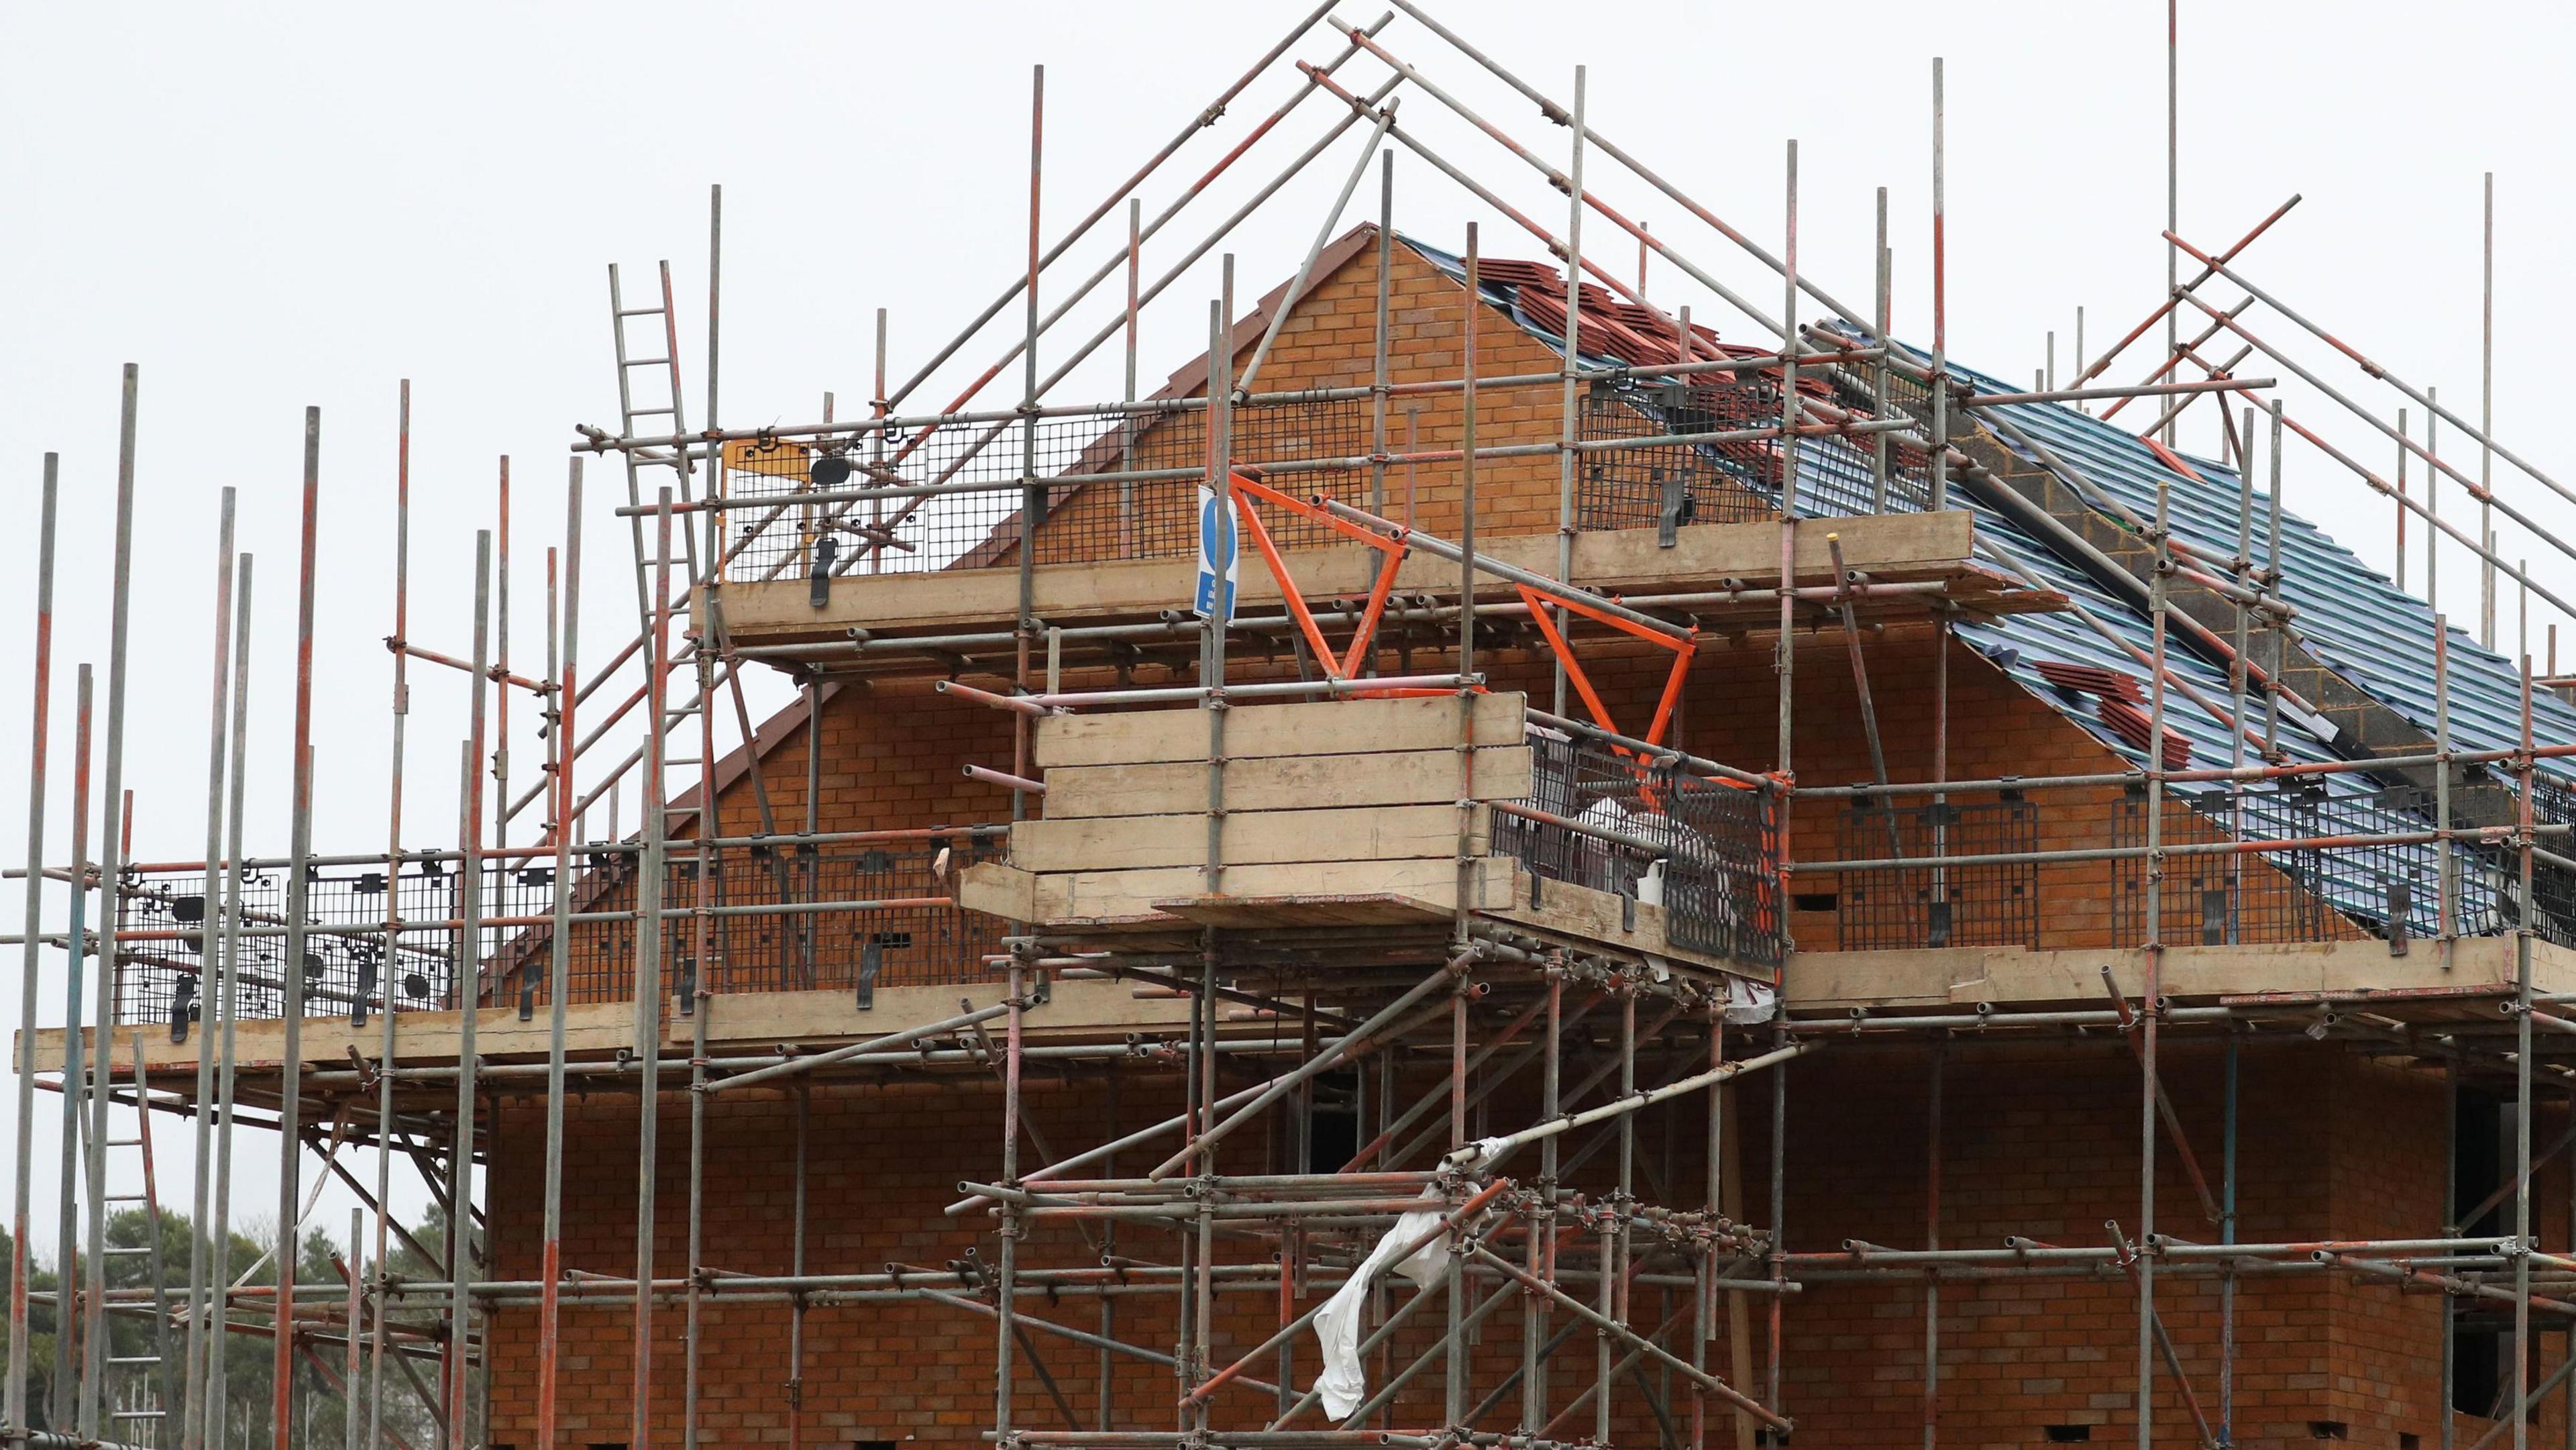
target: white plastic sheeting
1343 1384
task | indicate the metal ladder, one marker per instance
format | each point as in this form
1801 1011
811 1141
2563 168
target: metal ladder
666 413
694 582
641 381
148 1383
666 370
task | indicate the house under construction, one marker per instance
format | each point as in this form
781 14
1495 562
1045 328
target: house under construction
1489 864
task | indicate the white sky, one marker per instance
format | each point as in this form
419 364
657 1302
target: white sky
269 206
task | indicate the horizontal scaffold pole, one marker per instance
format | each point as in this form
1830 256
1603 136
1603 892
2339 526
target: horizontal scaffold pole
1490 1150
799 1065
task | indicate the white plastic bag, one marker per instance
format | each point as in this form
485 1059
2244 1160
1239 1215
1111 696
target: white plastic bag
1750 1003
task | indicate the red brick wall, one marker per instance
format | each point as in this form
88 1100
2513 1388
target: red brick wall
1327 342
2037 1141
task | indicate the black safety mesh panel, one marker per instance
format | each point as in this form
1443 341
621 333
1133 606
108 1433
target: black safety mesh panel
1303 442
788 917
1708 850
1993 903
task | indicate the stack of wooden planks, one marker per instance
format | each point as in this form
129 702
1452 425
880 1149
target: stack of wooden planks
1336 798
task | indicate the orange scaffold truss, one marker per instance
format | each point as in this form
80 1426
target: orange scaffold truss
1544 598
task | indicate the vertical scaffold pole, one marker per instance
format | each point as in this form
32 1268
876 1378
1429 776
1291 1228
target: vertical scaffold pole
469 1000
1779 1296
75 1083
2239 677
298 911
559 968
1878 444
2486 426
1033 494
393 916
1379 377
2272 585
694 1296
715 305
192 1353
2150 1004
1454 1360
1932 1241
2403 447
706 619
1784 758
2173 184
2081 407
1941 635
1534 1357
1784 662
13 1419
1455 1355
2450 1219
227 1011
1127 421
1196 1115
2446 864
1212 675
796 1266
2522 1099
1940 485
2227 1235
878 409
648 968
1610 1279
1467 461
1456 1346
1201 1256
111 895
1704 1306
1104 1407
499 754
455 1336
350 1385
1572 364
1006 1289
2432 499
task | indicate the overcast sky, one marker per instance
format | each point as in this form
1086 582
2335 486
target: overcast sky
269 207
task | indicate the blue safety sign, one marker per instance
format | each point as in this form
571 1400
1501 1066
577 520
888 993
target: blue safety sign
1214 598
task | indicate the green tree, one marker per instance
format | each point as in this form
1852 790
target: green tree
138 1334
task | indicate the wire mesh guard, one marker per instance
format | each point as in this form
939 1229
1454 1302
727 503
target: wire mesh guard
1989 904
1079 518
888 920
1705 852
161 974
2319 885
876 917
2553 888
1667 486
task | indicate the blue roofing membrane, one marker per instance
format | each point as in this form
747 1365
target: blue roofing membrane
2353 617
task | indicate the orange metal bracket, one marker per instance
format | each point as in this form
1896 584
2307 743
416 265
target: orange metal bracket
1683 649
1346 664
